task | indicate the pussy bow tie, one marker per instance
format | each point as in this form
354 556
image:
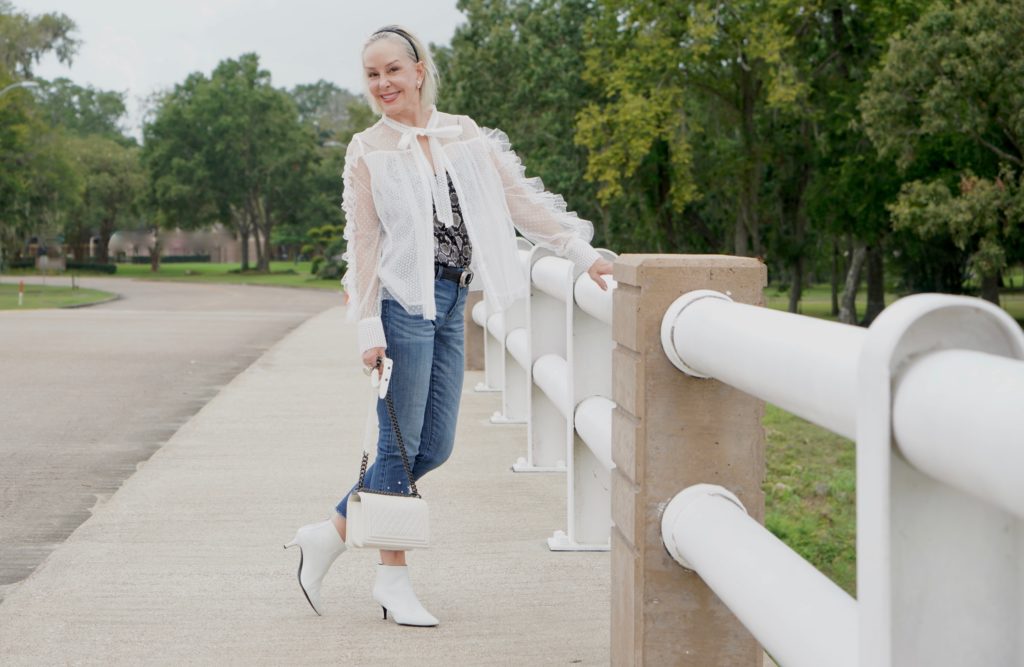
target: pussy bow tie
446 132
439 179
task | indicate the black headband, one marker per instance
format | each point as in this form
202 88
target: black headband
406 36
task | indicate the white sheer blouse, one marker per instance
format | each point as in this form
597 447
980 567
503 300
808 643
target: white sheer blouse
389 200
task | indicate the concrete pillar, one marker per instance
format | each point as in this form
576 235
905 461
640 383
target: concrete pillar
474 334
670 431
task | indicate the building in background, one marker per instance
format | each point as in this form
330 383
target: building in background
218 243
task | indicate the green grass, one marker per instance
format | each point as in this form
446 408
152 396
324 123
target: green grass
47 296
817 301
810 494
282 274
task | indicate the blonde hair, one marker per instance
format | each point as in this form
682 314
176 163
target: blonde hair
413 48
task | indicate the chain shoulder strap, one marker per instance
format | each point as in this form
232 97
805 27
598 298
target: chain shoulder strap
401 448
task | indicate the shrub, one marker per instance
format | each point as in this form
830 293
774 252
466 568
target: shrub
72 265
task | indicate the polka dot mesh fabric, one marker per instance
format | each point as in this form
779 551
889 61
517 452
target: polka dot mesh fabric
388 204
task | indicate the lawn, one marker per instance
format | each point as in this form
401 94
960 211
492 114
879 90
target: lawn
47 296
817 301
810 494
282 274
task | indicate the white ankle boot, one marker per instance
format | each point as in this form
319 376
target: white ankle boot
319 545
393 591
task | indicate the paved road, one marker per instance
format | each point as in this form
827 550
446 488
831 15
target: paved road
86 395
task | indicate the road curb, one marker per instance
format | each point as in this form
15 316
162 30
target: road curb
114 297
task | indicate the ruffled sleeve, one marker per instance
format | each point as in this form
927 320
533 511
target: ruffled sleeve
540 216
362 249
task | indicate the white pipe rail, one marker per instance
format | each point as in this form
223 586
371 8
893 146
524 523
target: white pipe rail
593 300
518 345
549 342
551 375
496 325
800 617
502 370
493 379
752 349
968 432
809 367
479 313
549 275
588 445
931 393
593 422
564 354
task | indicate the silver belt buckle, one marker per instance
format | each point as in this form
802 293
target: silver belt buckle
465 278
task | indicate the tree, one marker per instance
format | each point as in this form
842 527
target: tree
982 214
113 182
83 110
515 65
317 207
956 77
230 147
39 184
834 188
35 176
25 39
327 108
672 76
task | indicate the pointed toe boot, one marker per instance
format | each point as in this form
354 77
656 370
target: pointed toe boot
393 591
319 545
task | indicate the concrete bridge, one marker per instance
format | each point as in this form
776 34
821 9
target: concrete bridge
184 563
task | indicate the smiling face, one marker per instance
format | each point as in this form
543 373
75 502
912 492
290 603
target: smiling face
391 78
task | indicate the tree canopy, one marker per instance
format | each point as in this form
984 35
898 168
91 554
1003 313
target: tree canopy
841 142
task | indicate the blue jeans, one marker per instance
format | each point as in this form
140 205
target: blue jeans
426 388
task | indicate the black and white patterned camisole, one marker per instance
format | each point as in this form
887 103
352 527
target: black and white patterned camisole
451 244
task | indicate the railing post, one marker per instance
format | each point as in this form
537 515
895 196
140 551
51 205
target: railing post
474 334
670 431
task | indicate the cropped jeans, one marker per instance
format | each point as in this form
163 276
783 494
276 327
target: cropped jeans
426 388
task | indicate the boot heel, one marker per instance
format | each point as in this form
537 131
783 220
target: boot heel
385 613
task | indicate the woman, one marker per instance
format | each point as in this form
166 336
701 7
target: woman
427 196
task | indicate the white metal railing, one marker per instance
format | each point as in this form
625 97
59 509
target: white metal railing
497 325
932 395
774 592
554 349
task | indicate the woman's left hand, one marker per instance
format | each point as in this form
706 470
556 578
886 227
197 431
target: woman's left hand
601 267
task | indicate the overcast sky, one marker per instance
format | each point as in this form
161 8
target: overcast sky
142 46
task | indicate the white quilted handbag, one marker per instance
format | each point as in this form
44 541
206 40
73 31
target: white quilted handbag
382 519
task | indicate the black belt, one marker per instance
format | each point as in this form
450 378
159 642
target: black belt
461 277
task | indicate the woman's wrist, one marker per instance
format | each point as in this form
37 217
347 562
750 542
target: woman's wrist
371 334
581 253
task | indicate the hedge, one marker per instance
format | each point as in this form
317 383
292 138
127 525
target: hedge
71 265
172 259
91 266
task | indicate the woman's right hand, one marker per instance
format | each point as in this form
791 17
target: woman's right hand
371 356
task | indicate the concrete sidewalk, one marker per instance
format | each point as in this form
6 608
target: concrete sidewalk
184 563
